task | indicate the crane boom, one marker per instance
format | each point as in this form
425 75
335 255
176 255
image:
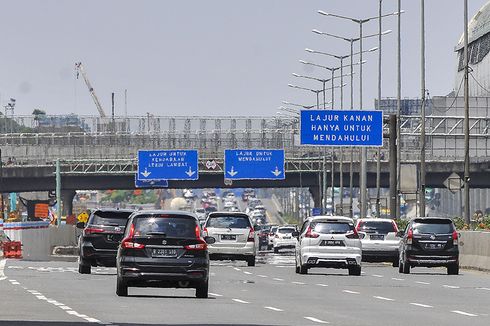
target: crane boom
79 69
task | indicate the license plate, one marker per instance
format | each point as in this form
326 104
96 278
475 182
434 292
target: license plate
164 253
286 237
376 237
332 243
434 246
228 237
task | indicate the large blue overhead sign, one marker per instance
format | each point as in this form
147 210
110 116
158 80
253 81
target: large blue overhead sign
254 164
341 128
168 165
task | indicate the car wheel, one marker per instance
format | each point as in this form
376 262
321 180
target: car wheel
276 250
202 290
355 270
121 288
406 268
396 263
453 269
303 269
400 267
269 247
84 266
251 261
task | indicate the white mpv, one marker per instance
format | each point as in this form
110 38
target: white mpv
328 241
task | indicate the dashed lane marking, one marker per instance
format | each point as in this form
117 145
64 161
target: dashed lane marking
278 279
398 279
424 283
316 320
240 301
299 283
383 298
237 269
263 276
215 294
451 286
248 273
351 292
464 313
274 309
421 305
320 284
2 267
377 275
485 289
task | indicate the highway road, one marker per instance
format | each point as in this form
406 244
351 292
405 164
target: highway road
53 293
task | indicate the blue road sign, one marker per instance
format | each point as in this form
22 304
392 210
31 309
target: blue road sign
342 128
316 211
254 164
150 183
168 165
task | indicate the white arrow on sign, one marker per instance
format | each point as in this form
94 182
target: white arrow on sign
232 172
276 172
190 173
146 173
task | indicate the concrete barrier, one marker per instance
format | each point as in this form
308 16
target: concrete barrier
474 249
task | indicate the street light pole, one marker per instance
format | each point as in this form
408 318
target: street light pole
466 122
378 151
398 111
422 118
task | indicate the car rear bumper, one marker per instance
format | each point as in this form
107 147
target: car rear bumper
246 250
331 260
432 261
104 257
284 243
379 255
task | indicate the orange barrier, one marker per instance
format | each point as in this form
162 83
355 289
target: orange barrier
12 249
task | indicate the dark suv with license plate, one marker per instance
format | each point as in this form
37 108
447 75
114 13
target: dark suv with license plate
430 242
100 238
163 249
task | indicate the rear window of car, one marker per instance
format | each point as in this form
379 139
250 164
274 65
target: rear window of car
433 226
225 221
174 226
331 227
274 229
286 230
115 218
377 226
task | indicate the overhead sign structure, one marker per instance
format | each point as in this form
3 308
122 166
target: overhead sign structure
341 128
168 165
150 183
246 164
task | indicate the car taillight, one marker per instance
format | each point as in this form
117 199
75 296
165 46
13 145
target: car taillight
198 246
251 235
311 234
395 227
352 234
358 227
90 230
205 232
198 232
127 243
455 238
409 236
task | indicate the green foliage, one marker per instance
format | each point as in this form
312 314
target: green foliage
129 196
402 224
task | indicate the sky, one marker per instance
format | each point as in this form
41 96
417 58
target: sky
210 57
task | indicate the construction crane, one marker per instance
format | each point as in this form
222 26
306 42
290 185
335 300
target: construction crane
79 69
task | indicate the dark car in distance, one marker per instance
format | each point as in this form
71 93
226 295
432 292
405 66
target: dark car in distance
429 242
100 238
163 249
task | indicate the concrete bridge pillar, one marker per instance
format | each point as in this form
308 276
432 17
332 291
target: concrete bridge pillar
67 199
315 194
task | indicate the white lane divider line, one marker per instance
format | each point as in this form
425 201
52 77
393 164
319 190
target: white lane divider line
237 269
2 267
320 284
274 309
240 301
383 298
398 279
278 279
421 305
485 289
263 276
464 313
377 275
299 283
451 286
248 273
215 294
424 283
316 320
351 292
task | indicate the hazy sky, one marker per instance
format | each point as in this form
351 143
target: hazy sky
207 57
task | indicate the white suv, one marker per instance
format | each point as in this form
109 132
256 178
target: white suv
284 238
328 241
234 234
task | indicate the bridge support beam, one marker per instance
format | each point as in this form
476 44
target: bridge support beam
315 194
67 199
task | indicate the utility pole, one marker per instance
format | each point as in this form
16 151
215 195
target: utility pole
466 122
398 112
378 150
422 111
58 192
393 165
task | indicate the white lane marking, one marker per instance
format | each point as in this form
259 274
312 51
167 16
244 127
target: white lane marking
263 276
277 279
240 301
383 298
424 283
273 308
351 292
12 281
320 284
464 313
65 307
420 305
237 269
248 273
316 320
299 283
215 294
486 289
2 267
398 279
15 283
92 320
451 286
377 275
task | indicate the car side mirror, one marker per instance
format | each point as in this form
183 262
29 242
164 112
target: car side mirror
400 234
295 234
80 225
209 240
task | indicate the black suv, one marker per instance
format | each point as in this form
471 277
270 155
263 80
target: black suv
100 238
163 249
429 242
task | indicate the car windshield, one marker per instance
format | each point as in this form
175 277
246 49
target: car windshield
232 222
440 227
172 227
376 227
331 227
118 218
286 230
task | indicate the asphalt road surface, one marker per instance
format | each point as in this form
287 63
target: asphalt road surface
53 293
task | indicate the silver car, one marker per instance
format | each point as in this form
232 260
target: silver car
234 234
